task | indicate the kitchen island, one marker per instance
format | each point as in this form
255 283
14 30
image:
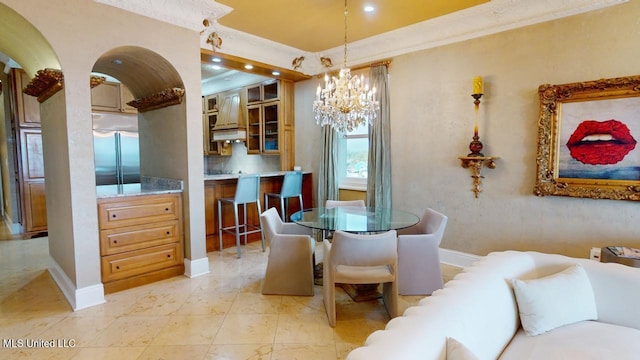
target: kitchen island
224 185
141 232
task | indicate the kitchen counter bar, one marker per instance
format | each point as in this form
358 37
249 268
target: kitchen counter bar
147 186
235 176
224 186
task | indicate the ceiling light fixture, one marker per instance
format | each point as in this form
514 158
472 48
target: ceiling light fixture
346 102
248 66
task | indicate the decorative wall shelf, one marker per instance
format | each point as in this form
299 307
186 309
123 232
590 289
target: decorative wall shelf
476 163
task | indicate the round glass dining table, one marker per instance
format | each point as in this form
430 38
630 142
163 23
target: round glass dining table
354 219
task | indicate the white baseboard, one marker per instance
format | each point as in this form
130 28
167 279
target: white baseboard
77 298
198 267
457 258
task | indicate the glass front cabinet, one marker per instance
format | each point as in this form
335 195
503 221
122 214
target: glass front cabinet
266 117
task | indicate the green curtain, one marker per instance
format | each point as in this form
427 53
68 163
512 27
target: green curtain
379 166
328 174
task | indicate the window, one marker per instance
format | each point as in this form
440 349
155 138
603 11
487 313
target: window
354 158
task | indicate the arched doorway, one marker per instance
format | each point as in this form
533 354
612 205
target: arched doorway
174 137
24 46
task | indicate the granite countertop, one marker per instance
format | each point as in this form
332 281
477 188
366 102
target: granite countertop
147 186
235 176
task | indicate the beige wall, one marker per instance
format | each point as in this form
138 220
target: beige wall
432 124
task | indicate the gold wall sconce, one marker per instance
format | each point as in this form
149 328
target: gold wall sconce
476 160
476 163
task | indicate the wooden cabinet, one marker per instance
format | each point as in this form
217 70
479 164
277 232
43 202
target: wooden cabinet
254 129
111 97
141 240
267 119
27 108
30 163
265 91
209 122
270 121
31 182
215 189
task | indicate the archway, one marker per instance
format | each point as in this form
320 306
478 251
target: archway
23 44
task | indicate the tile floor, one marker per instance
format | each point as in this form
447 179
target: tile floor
221 315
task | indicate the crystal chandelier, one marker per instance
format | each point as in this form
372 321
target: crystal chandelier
346 101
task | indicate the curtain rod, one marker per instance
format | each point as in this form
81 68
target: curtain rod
383 62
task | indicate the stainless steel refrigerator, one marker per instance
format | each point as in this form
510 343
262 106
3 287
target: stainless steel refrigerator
116 149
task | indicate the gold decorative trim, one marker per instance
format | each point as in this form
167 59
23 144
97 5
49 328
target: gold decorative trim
475 164
164 98
46 83
552 97
96 80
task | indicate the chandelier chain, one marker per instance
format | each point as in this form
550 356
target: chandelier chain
346 102
346 13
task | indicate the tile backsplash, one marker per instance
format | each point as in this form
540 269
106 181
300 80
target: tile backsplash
240 161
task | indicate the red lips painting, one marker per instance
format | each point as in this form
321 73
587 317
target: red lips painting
601 142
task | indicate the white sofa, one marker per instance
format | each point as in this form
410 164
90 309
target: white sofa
478 308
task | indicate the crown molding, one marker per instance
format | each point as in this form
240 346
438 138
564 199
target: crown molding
184 13
486 19
481 20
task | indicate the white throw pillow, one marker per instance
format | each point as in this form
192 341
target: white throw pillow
457 351
560 299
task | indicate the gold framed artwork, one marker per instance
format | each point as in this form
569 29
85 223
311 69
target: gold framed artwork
587 139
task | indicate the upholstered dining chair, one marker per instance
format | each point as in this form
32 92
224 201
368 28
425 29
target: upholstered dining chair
360 259
291 256
418 255
329 204
291 187
335 203
247 191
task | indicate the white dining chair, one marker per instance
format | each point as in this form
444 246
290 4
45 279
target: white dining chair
418 255
291 260
360 259
330 204
335 203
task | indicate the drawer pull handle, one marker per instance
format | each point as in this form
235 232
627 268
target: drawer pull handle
115 241
113 216
168 233
166 209
117 267
168 256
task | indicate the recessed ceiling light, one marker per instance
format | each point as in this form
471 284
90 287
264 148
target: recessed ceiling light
248 66
369 8
275 73
216 59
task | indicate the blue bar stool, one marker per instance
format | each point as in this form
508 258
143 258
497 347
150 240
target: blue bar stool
291 187
247 191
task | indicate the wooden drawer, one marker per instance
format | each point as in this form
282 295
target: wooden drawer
115 241
124 265
138 210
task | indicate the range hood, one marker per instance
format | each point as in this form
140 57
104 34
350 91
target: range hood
230 125
229 135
